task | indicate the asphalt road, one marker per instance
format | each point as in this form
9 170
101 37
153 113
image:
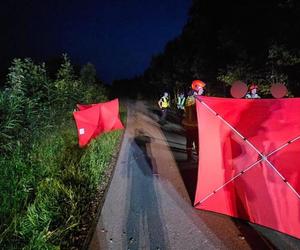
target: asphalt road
149 201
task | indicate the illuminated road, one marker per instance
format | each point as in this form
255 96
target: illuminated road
149 201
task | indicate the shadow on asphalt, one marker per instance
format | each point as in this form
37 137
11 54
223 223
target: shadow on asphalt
144 204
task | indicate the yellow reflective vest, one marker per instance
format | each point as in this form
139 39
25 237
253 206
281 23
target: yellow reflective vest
165 102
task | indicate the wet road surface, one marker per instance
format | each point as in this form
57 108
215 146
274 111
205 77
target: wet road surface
149 201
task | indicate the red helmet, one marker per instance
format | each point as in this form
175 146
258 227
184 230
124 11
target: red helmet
196 84
253 86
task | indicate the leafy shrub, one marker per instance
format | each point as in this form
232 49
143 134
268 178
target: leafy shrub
47 181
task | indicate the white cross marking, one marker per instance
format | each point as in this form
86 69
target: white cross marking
263 157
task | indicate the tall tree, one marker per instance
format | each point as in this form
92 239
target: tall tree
88 74
225 40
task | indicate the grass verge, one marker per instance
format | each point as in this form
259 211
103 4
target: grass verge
48 195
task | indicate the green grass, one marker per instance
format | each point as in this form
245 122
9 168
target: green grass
46 191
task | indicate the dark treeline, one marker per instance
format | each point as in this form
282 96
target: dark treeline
224 41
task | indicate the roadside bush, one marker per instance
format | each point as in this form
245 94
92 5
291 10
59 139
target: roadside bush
47 182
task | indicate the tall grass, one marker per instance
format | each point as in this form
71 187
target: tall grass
43 202
46 181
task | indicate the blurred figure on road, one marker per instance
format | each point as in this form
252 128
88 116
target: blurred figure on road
164 105
189 122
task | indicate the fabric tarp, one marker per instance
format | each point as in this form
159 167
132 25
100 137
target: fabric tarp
248 160
95 119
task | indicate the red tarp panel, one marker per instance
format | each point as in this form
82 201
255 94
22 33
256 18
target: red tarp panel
110 116
88 123
94 119
81 107
248 160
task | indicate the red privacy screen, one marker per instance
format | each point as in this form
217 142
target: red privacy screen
95 119
249 160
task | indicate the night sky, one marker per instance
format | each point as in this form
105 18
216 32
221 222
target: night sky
118 36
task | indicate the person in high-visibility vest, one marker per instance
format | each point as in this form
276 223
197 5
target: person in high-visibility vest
180 104
180 101
189 122
164 105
